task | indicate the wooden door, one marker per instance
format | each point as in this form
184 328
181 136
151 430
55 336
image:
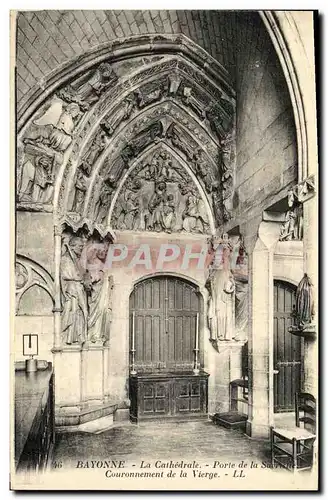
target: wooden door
165 310
288 349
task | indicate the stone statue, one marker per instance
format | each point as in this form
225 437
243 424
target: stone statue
168 216
220 313
174 83
54 129
103 202
223 249
192 102
227 318
123 112
304 311
194 216
96 148
149 93
155 207
87 89
179 141
100 298
81 186
75 283
292 227
202 170
127 209
36 180
213 114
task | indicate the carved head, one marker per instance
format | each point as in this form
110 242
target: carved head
76 243
44 162
161 186
73 109
106 70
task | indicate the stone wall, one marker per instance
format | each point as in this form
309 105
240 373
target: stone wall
48 39
265 133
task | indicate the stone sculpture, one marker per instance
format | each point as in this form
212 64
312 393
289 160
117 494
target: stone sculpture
95 149
123 112
36 180
75 282
102 204
54 129
81 186
292 227
87 89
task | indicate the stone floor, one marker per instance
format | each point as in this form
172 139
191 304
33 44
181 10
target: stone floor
200 440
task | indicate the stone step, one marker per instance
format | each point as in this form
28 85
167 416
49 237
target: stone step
68 420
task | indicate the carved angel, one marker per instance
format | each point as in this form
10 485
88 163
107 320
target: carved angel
55 127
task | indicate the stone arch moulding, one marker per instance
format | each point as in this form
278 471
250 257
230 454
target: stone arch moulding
205 98
28 274
289 48
119 50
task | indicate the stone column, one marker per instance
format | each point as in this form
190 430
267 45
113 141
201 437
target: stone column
310 214
260 339
57 308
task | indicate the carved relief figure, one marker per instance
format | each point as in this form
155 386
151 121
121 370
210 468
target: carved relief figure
169 217
304 312
226 164
160 196
127 210
194 216
123 112
87 89
223 249
103 202
155 207
178 140
100 297
150 93
202 169
292 227
96 148
54 129
174 83
220 313
75 283
190 100
81 186
36 180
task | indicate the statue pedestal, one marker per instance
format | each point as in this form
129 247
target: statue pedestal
68 375
92 373
309 331
82 395
225 365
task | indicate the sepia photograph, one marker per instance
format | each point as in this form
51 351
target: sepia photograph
164 331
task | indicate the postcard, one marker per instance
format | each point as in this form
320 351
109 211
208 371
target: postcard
164 250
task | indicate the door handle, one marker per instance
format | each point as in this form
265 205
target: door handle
275 372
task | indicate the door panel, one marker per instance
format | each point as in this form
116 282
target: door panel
165 323
288 349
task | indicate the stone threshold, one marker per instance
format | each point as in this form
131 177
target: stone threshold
67 419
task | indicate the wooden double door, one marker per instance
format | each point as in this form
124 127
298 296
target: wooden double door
288 349
163 313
